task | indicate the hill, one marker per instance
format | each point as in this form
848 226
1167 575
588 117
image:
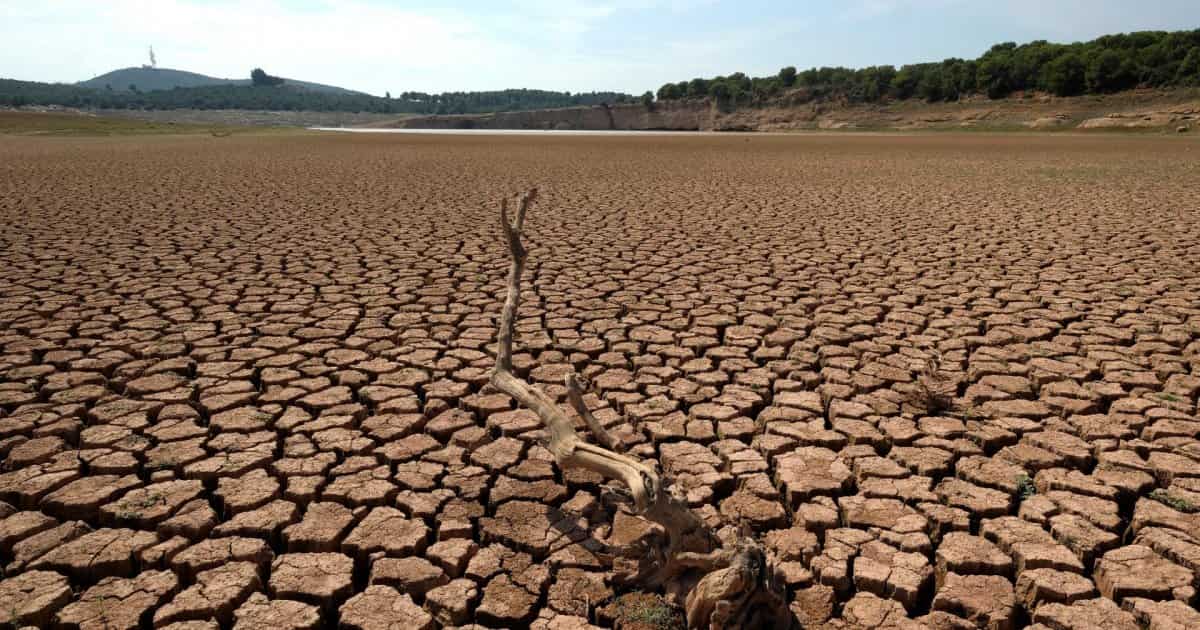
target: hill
155 79
291 97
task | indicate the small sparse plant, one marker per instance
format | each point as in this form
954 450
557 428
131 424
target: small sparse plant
1025 487
128 515
149 500
646 611
107 604
132 510
1166 498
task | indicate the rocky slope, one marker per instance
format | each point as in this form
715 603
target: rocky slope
1177 110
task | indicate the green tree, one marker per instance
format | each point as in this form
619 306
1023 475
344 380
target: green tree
648 99
930 86
787 76
967 80
1189 68
993 75
1027 63
904 84
765 87
1066 75
873 83
720 91
952 73
740 81
260 78
669 92
1107 72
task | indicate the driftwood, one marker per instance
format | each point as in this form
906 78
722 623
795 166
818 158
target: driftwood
730 586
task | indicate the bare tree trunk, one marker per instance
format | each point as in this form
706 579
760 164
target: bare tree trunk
738 587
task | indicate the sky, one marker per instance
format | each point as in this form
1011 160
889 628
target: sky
379 46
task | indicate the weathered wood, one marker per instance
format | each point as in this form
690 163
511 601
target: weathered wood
575 397
651 499
737 586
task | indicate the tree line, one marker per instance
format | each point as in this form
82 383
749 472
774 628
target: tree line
1106 64
502 101
271 93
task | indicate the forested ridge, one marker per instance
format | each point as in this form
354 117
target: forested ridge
268 95
1106 64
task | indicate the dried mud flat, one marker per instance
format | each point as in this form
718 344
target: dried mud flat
243 380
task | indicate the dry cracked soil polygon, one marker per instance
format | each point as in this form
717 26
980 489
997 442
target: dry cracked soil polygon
950 381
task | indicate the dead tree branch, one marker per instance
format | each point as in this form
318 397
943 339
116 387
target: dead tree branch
737 586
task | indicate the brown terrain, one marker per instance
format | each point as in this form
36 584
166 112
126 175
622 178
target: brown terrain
254 118
948 381
1174 111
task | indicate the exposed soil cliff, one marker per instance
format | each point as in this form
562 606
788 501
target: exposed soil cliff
1176 110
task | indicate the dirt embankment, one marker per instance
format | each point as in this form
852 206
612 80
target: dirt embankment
1177 110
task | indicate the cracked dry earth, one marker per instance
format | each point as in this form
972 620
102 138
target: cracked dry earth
243 381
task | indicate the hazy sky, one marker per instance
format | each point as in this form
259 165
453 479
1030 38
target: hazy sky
577 45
